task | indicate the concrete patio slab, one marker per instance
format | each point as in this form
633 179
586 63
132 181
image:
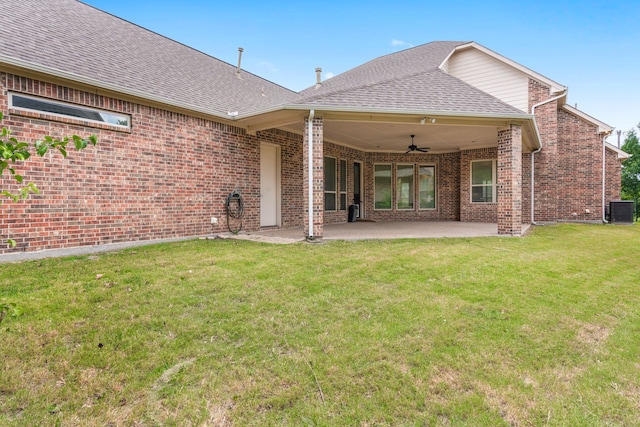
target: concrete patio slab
362 230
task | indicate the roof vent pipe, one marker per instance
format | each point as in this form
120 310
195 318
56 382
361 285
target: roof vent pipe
318 77
240 50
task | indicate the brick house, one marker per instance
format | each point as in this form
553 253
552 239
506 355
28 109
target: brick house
443 131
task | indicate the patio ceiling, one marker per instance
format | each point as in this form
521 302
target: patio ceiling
390 132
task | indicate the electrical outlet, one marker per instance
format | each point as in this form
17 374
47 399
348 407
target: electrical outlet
214 220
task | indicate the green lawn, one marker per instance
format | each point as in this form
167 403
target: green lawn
534 331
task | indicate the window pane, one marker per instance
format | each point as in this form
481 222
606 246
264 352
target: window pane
482 194
482 172
427 183
70 110
343 201
404 186
382 186
329 174
343 175
329 201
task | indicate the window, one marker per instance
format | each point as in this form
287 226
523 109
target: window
343 185
404 186
382 186
41 105
427 186
483 181
330 184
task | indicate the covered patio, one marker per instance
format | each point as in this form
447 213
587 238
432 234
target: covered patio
404 139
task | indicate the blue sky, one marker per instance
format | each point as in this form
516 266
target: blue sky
589 46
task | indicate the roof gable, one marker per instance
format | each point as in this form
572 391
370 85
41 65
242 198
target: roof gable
554 86
409 80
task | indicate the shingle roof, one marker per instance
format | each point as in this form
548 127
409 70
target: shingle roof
411 80
72 37
79 40
388 67
431 91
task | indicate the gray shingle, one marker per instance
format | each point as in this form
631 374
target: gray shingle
432 91
73 37
406 80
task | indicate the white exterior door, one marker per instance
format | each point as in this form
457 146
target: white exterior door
269 185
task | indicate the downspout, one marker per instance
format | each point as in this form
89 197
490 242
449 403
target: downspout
604 171
533 153
310 171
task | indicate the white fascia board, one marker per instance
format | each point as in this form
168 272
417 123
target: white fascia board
602 126
528 119
555 86
368 110
621 154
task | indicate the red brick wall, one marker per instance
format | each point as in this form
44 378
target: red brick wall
546 161
165 178
317 131
580 176
509 191
526 188
613 177
475 212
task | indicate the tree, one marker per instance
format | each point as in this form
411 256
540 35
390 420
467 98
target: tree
13 151
631 166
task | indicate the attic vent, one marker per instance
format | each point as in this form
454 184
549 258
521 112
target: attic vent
318 77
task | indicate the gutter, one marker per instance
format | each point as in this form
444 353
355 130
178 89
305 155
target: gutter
533 153
342 109
310 171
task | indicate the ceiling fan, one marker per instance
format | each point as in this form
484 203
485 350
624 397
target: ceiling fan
414 147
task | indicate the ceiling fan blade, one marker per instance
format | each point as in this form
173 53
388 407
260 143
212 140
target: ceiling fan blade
423 149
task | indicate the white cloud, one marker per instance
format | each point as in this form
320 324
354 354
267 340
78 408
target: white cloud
268 66
328 75
400 43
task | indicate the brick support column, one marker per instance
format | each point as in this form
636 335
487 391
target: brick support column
510 181
317 177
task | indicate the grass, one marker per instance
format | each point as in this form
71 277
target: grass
534 331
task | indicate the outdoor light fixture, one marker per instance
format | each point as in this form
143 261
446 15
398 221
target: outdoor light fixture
427 119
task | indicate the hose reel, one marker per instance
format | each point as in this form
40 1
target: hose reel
235 210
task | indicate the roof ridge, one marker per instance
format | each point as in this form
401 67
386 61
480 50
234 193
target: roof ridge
457 43
398 73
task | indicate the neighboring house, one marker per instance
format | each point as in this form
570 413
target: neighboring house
180 130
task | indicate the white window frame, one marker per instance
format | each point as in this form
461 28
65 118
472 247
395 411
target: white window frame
342 184
335 184
391 187
435 186
494 180
109 118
